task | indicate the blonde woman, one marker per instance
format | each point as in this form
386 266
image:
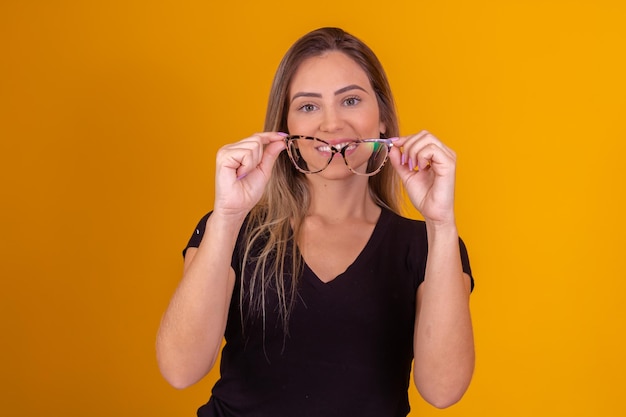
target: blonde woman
324 293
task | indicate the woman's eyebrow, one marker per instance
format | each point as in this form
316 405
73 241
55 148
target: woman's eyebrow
303 94
318 95
348 88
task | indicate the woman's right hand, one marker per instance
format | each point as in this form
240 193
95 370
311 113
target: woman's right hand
192 328
243 170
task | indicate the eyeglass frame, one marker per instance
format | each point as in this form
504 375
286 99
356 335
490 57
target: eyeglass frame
334 150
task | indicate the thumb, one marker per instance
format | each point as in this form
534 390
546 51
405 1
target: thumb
270 153
395 157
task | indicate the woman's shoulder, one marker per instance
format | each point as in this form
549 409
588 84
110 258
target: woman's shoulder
398 229
401 221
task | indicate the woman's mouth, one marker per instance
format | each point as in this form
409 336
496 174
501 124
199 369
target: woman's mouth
338 147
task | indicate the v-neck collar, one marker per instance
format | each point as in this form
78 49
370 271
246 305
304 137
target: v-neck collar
367 253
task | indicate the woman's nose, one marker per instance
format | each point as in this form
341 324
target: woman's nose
331 120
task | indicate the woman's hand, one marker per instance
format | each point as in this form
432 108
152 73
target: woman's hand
192 328
427 168
243 170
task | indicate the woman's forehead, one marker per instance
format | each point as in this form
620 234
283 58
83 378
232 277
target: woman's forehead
328 72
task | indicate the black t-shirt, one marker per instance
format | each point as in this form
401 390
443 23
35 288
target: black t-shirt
350 343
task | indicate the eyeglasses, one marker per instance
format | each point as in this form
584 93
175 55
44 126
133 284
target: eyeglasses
362 156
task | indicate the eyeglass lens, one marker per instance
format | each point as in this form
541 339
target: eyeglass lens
312 155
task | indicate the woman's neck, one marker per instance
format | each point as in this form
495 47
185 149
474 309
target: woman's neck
338 200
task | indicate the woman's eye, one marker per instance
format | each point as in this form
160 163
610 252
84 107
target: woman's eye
352 101
306 108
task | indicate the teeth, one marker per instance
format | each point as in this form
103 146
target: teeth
338 147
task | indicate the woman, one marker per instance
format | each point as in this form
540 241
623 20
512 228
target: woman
325 294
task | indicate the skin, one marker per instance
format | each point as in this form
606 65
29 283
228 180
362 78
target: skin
330 98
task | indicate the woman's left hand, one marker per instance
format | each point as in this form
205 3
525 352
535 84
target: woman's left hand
427 168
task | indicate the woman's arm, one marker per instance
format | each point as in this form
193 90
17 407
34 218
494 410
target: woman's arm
192 328
443 338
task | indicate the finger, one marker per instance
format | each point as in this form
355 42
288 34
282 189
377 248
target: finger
250 150
404 171
408 140
270 154
426 138
429 155
420 149
265 138
408 146
395 157
247 154
241 161
271 144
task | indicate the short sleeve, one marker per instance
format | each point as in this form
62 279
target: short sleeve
198 233
465 261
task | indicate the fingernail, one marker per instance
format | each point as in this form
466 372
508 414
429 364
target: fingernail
403 161
394 139
242 176
411 166
283 134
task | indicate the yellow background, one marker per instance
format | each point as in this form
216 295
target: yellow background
110 116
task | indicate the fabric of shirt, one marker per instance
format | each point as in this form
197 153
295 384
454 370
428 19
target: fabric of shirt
349 346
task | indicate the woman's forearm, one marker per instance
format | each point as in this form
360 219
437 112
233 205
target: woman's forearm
443 339
192 328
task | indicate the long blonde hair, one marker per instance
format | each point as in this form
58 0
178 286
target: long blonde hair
274 224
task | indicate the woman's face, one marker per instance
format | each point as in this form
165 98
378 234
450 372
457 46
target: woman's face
332 99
